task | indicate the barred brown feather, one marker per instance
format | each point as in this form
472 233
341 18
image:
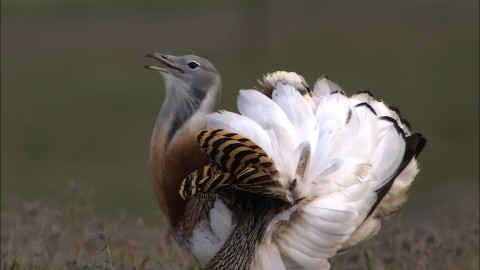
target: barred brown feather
233 152
206 180
237 164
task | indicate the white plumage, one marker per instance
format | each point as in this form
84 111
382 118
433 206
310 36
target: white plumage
355 147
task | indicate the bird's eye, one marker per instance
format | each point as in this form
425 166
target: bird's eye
193 65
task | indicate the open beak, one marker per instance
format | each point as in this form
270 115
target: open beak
169 65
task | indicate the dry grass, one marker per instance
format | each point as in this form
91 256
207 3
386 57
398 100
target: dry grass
39 235
442 239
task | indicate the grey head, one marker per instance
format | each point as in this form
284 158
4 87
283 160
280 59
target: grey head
193 87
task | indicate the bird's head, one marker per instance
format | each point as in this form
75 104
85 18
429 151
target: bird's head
189 73
193 87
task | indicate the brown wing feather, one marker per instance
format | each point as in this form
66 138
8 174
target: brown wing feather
233 152
236 163
210 178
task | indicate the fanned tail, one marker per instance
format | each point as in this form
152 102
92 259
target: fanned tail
339 163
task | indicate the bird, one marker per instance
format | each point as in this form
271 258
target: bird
294 177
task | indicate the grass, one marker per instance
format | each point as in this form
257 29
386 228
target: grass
41 235
46 235
441 240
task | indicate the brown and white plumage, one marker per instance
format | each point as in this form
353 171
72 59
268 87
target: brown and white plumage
299 175
360 161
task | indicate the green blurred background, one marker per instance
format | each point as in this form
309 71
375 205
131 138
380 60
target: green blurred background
76 102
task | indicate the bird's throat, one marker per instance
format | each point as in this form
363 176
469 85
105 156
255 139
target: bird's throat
173 116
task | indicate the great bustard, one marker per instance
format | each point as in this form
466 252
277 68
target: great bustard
299 175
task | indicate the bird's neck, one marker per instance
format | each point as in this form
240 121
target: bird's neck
178 108
174 152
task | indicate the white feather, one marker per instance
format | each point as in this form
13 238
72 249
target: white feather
303 259
353 152
297 111
242 125
262 110
358 138
222 220
268 257
332 112
323 86
366 230
397 195
273 120
323 239
389 152
204 243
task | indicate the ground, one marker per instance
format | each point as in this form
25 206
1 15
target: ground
45 235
